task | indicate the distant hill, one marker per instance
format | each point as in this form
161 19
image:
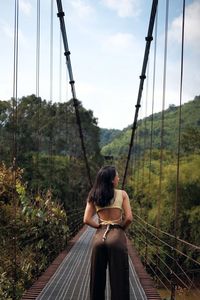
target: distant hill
108 135
119 141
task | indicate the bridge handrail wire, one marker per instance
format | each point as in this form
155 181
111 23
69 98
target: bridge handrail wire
168 234
194 293
77 221
153 263
74 224
171 257
168 267
154 272
177 276
171 271
171 247
75 211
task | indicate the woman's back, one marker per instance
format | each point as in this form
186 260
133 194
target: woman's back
109 248
112 215
113 212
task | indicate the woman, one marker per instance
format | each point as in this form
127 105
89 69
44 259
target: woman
109 244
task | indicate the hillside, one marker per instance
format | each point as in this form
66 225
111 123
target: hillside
108 135
190 120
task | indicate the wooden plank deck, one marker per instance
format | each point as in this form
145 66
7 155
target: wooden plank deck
68 277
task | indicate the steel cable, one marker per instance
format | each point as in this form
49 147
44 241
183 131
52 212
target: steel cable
72 84
142 78
176 274
168 234
15 145
171 247
160 259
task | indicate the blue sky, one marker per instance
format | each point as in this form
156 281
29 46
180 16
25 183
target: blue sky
107 40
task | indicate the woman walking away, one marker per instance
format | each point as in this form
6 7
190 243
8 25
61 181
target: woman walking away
109 243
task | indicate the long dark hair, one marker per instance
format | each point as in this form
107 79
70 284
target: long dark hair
102 191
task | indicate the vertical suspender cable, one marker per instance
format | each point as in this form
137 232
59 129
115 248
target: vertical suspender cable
177 200
38 50
145 126
72 84
38 86
144 153
162 130
135 162
153 99
179 131
51 96
60 69
142 78
14 154
151 126
38 101
51 53
138 162
163 115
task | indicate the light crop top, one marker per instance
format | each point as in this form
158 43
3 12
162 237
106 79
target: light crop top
117 203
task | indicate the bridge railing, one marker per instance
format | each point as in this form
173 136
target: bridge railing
33 230
171 261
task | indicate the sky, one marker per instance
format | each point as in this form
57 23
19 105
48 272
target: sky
107 40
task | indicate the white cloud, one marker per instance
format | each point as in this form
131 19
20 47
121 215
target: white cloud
118 42
9 32
82 9
86 89
192 25
124 8
25 6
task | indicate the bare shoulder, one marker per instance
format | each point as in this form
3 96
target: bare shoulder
125 195
90 204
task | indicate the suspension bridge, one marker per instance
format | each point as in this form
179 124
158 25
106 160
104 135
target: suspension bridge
54 147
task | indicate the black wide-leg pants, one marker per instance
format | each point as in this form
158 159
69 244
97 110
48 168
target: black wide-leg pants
112 253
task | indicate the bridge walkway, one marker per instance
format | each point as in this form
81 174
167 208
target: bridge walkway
70 278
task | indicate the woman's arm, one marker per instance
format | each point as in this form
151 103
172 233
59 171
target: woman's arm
89 214
128 217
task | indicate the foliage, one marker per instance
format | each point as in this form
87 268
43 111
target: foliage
33 231
108 135
50 159
119 145
154 193
48 145
43 147
155 201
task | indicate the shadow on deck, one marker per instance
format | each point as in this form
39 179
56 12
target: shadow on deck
68 276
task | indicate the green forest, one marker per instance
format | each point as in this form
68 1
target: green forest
190 126
152 186
44 184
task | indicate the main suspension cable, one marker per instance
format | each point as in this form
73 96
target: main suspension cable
142 78
72 84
